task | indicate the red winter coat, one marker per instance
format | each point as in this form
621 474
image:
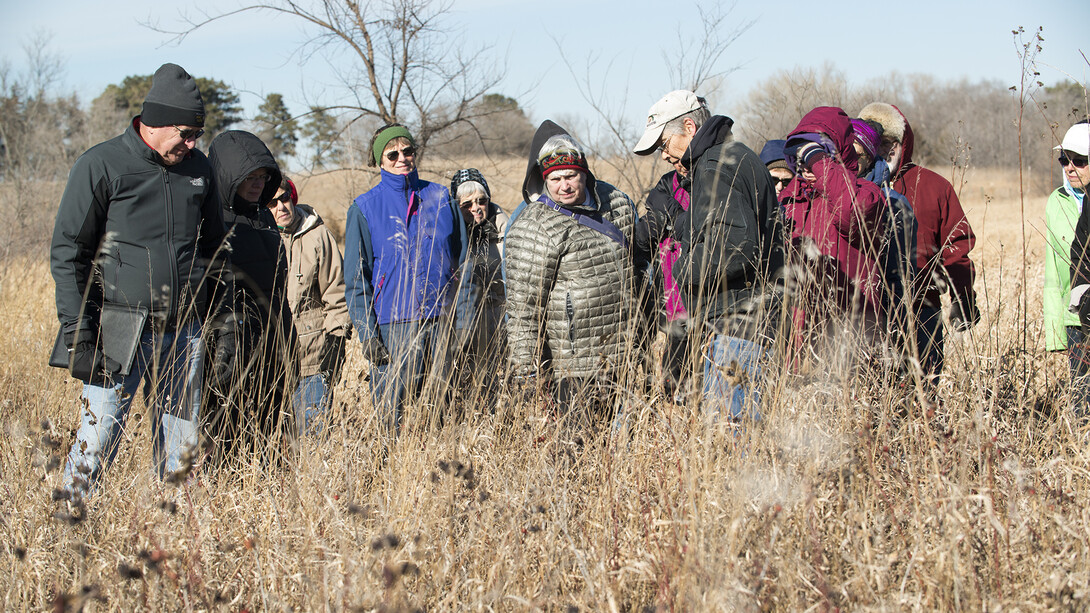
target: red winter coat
944 238
840 215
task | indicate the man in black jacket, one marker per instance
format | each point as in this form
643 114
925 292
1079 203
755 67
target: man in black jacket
726 243
136 230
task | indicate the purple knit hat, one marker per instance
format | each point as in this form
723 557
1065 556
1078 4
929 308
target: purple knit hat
866 135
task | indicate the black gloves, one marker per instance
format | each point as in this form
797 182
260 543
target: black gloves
225 356
964 313
331 359
86 361
374 351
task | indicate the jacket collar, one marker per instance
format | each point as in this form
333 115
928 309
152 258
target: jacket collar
399 183
715 130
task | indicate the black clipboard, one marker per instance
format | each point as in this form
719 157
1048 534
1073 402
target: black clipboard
120 328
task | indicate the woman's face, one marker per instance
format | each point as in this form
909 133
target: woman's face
403 154
566 186
251 187
474 207
1077 169
282 209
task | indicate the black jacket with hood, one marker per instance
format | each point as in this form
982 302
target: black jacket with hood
257 282
155 228
731 238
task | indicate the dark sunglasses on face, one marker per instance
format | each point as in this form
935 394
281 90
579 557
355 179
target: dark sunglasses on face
781 181
408 152
189 133
1074 161
482 201
285 198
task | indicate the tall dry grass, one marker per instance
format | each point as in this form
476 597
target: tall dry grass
852 493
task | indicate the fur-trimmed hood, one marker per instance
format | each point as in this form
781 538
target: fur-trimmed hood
894 125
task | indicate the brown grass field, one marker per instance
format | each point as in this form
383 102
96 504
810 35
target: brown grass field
850 494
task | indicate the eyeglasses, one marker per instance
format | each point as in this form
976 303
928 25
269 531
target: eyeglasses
408 152
662 150
284 198
482 201
781 181
261 178
1074 161
189 134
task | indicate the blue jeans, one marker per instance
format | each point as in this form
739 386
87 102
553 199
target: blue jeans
417 356
170 365
1078 360
929 340
732 377
311 399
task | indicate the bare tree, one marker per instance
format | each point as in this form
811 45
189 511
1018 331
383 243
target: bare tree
399 60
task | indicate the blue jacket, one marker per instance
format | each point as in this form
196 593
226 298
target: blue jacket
399 263
898 258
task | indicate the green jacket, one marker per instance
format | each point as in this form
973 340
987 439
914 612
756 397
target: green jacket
1061 215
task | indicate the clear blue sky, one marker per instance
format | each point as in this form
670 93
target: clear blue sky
101 42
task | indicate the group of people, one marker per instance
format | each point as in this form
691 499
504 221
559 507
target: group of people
204 280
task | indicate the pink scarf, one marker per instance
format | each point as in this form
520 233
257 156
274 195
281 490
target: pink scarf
668 255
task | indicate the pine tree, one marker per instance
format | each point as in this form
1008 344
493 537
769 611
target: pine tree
276 127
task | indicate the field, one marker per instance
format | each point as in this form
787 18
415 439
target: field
851 494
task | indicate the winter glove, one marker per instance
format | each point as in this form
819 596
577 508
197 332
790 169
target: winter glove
964 313
800 152
331 359
225 358
374 351
85 358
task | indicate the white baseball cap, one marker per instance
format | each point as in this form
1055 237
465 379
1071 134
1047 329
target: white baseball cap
1077 140
669 107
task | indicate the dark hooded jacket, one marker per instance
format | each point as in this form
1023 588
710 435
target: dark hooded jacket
159 227
837 221
731 237
568 285
257 284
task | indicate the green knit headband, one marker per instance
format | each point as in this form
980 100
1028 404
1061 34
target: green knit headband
384 137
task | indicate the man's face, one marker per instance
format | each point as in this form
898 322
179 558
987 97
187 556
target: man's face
172 143
251 187
673 147
1076 169
475 207
566 186
780 178
282 209
891 151
865 160
403 154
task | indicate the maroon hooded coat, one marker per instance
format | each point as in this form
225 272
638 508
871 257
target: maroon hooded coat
839 215
944 237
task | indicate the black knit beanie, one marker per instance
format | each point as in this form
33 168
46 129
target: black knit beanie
173 100
467 175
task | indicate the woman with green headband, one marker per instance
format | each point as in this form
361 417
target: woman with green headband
404 239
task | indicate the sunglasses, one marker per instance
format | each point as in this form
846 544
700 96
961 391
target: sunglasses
408 152
482 201
285 198
781 181
1074 161
189 133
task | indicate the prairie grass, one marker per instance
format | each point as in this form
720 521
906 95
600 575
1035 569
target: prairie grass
852 492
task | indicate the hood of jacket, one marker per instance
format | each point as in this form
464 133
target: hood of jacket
834 123
308 220
895 125
534 184
234 154
716 130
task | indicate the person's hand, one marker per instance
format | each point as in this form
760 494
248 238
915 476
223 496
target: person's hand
225 356
964 313
85 358
374 351
331 359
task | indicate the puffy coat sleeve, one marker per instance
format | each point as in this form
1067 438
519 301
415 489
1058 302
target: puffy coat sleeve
330 277
358 262
531 260
81 221
724 240
858 203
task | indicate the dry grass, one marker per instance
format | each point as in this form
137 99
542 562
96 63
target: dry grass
850 494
